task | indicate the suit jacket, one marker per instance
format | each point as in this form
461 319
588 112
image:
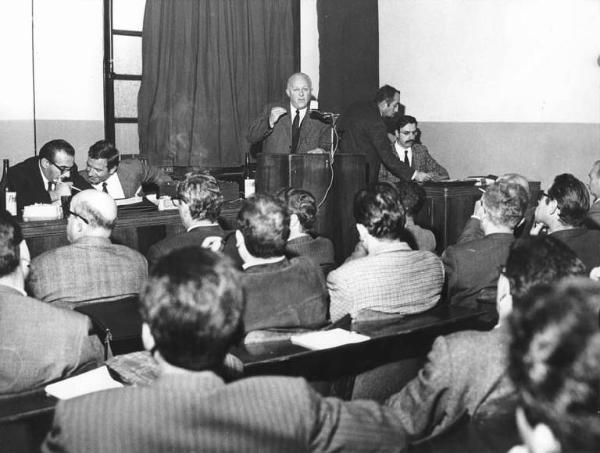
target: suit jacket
89 270
363 131
197 412
473 267
40 343
422 238
318 249
189 238
313 132
421 161
585 243
464 372
397 280
25 179
592 220
133 173
289 293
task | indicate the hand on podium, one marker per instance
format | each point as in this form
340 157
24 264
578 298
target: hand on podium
316 151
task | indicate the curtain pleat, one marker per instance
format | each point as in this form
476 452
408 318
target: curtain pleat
209 66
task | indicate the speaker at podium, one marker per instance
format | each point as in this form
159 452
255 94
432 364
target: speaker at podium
333 183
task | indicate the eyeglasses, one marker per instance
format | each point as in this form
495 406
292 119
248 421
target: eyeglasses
62 168
542 194
77 215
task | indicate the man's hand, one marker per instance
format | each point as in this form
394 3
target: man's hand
276 113
62 189
316 151
420 176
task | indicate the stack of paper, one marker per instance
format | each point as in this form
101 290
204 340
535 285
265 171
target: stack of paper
92 381
325 339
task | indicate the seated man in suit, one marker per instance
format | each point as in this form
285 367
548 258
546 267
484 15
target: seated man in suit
91 268
280 292
412 155
199 201
466 371
554 362
563 211
391 278
472 229
192 310
302 242
39 343
472 268
413 198
120 179
47 177
287 127
593 215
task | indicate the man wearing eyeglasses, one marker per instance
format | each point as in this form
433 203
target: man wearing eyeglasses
47 177
90 268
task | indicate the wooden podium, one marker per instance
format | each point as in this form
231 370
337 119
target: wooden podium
333 184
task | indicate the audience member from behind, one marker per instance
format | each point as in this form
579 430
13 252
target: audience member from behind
414 156
303 209
593 216
192 311
46 177
120 179
91 268
391 278
555 367
472 229
199 201
563 211
280 292
467 371
472 268
38 343
413 198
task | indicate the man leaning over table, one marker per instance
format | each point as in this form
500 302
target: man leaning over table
120 179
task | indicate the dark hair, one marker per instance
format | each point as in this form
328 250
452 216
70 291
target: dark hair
103 149
554 360
10 240
572 198
193 303
265 224
505 203
379 209
403 120
202 194
385 93
49 150
537 261
302 203
412 196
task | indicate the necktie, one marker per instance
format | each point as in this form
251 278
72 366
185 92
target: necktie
295 131
406 161
104 189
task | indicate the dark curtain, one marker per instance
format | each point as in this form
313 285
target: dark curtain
208 68
349 52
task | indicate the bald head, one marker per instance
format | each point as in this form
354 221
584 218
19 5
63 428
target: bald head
299 90
98 208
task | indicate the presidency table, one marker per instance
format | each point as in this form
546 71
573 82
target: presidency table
138 229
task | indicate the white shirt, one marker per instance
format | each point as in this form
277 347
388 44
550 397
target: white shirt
113 185
46 180
302 113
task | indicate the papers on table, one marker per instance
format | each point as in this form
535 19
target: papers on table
92 381
128 201
325 339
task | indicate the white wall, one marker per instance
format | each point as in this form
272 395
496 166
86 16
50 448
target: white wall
309 42
469 69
